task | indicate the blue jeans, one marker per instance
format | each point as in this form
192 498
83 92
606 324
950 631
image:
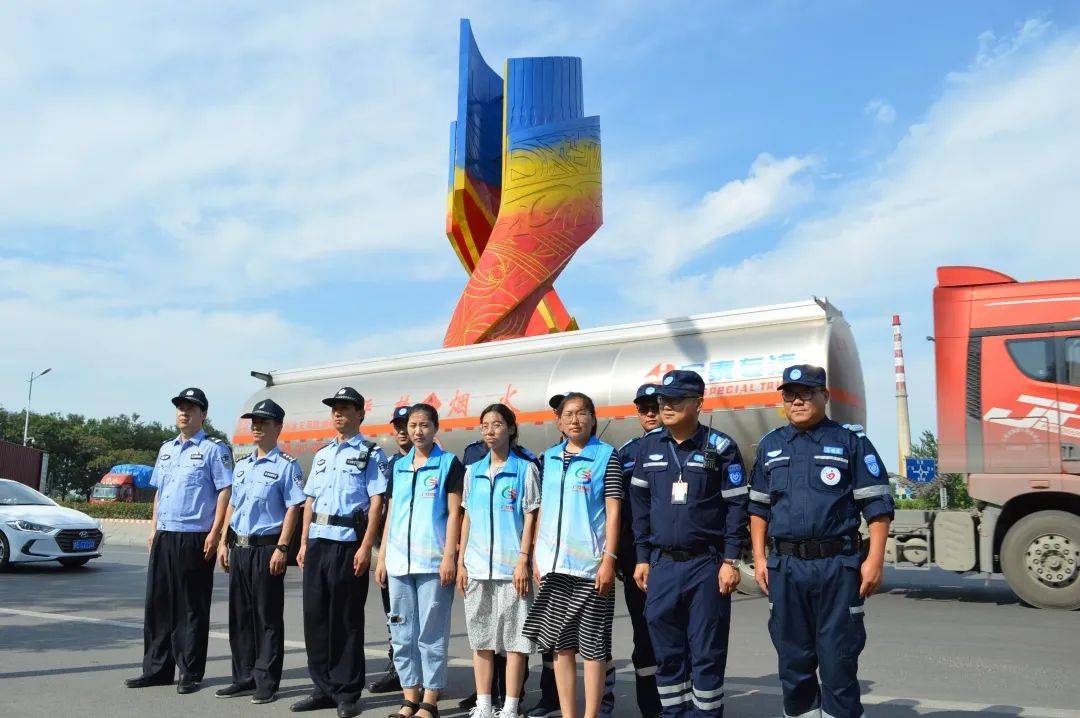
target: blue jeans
420 629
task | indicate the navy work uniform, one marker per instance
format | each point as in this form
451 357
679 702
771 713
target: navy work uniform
188 475
688 519
344 475
264 489
811 486
643 658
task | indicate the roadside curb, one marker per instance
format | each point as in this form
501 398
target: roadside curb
126 532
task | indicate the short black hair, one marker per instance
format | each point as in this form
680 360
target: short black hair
507 415
432 413
586 400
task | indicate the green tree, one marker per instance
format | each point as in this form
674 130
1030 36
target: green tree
927 496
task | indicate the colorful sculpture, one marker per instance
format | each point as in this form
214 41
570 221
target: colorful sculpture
524 192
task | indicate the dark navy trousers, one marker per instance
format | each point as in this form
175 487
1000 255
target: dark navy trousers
688 620
816 625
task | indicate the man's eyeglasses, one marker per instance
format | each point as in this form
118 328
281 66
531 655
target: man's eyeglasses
648 407
675 403
790 395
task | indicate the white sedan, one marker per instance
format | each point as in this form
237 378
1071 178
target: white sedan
34 528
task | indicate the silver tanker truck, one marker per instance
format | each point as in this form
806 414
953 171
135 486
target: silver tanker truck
740 354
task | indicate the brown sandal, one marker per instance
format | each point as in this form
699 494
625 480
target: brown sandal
432 709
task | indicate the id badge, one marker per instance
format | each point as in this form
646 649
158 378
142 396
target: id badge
678 492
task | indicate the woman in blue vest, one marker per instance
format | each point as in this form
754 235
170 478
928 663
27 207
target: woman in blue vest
502 494
575 553
418 561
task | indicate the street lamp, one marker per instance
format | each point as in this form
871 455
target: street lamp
29 394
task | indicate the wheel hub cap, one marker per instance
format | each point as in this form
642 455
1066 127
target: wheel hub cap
1054 560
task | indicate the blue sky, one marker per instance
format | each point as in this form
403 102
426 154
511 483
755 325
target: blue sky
192 192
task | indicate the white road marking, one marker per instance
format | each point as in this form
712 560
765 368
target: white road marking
744 688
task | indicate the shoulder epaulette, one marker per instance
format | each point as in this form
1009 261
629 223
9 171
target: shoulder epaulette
168 441
856 429
288 457
653 431
636 438
718 439
215 440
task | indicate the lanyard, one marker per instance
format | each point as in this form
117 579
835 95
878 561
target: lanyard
680 464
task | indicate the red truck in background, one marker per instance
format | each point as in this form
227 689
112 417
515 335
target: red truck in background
126 483
1008 409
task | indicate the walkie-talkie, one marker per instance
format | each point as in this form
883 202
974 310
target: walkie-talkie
712 456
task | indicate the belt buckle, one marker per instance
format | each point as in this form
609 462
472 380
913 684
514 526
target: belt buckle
322 519
243 542
680 555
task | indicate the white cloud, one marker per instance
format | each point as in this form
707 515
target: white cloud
880 110
650 224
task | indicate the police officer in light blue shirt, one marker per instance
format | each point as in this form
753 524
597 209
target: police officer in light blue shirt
266 503
342 518
192 476
813 480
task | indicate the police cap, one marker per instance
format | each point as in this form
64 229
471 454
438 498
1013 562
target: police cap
645 392
680 383
346 393
401 413
804 375
266 409
193 394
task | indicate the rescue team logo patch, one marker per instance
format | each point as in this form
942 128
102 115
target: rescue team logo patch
830 476
668 380
652 457
872 465
734 474
650 390
795 374
834 450
774 453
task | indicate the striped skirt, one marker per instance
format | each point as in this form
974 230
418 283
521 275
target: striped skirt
569 615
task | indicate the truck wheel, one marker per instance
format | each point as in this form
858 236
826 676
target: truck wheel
73 562
1040 557
747 584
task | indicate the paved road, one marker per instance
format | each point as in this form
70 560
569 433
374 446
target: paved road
940 645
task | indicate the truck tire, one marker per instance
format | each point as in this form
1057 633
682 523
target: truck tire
1040 558
747 584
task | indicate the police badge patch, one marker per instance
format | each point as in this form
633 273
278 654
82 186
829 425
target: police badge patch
735 474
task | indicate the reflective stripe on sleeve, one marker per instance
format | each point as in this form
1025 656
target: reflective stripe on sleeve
760 496
869 492
646 671
732 493
640 483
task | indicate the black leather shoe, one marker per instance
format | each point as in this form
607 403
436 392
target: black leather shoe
544 710
146 681
312 703
234 689
347 709
187 685
468 702
263 695
389 683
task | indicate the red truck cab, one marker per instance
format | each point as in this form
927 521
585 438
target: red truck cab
113 488
1008 403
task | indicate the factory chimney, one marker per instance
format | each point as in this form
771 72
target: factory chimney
903 422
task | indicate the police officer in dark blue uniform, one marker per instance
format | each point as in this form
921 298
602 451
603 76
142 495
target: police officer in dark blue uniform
265 508
689 497
399 420
811 481
648 410
192 475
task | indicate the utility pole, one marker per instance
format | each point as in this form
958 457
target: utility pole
29 395
903 421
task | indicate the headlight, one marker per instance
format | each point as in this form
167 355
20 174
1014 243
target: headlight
29 526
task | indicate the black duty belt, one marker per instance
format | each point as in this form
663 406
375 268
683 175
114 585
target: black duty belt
818 548
254 541
683 554
356 521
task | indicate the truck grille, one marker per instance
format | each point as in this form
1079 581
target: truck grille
66 538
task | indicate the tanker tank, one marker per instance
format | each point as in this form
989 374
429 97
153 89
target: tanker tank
740 354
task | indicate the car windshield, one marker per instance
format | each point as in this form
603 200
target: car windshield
105 492
14 494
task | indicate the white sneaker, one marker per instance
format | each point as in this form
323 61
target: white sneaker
505 713
478 712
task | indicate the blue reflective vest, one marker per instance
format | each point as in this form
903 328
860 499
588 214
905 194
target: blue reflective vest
496 518
419 514
572 535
